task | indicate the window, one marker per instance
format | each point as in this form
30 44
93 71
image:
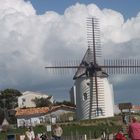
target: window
22 123
88 84
41 120
23 99
85 96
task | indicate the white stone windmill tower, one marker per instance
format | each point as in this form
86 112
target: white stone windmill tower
94 93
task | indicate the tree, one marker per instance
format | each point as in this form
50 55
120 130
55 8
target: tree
9 98
67 103
42 102
8 101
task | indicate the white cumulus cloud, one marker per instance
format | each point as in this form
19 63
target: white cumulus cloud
28 42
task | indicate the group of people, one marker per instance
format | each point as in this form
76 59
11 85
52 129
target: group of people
133 131
56 134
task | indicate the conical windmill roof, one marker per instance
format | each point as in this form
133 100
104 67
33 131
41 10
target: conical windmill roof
82 69
87 59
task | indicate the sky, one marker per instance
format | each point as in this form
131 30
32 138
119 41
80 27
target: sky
127 8
37 33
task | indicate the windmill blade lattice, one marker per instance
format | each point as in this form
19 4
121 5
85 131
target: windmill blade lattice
121 66
63 67
93 38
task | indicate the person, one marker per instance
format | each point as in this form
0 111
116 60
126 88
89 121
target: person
32 132
36 137
120 135
103 137
44 136
29 134
57 132
134 129
105 134
124 118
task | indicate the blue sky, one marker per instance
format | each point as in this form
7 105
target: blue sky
128 8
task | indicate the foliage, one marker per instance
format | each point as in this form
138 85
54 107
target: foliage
8 101
93 131
65 117
68 103
2 136
8 98
39 129
42 102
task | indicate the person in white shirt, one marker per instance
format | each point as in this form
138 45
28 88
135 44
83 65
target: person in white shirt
29 134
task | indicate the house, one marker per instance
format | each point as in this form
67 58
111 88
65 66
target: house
26 99
35 116
135 109
62 113
31 116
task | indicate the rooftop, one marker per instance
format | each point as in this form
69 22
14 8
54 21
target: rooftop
40 110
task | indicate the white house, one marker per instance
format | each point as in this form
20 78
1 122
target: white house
31 116
62 113
35 116
26 99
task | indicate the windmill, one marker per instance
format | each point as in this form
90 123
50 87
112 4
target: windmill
91 75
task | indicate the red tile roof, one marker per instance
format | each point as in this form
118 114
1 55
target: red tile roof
41 110
31 111
136 107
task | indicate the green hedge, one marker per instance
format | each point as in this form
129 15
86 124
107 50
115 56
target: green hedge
91 131
92 128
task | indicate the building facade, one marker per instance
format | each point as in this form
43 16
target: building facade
26 100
